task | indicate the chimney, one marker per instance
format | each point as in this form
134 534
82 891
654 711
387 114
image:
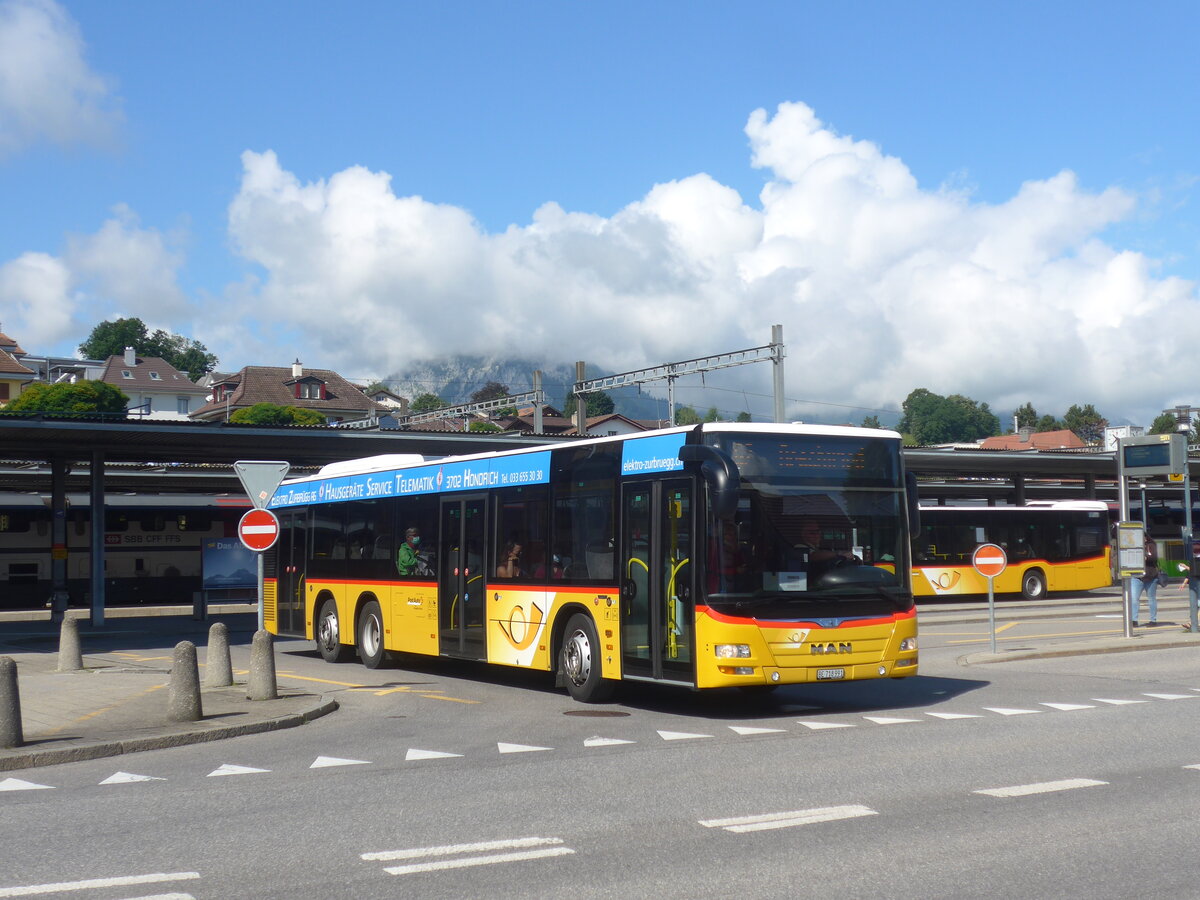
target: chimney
297 369
1025 434
130 357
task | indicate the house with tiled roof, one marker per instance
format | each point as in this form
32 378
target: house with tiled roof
8 345
1025 439
13 375
155 388
321 390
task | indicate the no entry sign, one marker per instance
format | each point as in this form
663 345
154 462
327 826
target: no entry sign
259 529
989 560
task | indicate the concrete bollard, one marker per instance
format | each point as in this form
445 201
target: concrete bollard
262 667
218 670
11 734
70 654
183 691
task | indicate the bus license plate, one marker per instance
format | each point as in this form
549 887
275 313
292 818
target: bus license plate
830 674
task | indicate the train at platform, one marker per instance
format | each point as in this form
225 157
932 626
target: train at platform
154 547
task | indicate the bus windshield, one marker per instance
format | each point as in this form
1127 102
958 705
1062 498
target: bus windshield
819 529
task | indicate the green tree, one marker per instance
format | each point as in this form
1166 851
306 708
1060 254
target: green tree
480 425
273 414
1026 416
871 422
493 390
81 397
742 417
1086 422
111 338
1049 423
933 419
426 403
596 403
712 415
685 415
1164 423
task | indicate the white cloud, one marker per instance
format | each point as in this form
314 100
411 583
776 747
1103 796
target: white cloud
881 286
47 89
35 294
122 270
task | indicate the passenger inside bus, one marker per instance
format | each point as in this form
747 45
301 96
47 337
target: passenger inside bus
510 561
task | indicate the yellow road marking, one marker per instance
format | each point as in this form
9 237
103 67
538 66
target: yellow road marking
1053 634
427 693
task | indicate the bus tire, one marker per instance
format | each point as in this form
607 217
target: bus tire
370 636
579 661
1033 585
329 634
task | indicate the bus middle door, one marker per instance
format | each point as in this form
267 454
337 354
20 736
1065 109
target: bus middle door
462 577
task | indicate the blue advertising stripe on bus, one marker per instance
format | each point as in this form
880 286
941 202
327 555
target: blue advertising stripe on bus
653 454
463 475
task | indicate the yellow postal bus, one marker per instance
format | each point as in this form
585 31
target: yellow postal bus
722 555
1062 546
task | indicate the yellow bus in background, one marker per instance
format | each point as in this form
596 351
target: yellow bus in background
1060 546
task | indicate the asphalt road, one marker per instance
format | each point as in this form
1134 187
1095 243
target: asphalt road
1074 777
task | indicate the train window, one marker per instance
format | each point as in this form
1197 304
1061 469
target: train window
15 522
23 573
114 520
152 522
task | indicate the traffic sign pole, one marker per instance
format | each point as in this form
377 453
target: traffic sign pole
989 561
258 530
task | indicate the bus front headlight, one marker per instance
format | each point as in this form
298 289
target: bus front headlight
908 644
732 651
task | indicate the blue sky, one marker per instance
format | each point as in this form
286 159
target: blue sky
992 199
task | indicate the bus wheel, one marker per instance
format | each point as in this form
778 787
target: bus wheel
579 661
1033 585
370 636
329 634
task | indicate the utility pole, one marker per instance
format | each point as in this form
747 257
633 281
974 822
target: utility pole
669 372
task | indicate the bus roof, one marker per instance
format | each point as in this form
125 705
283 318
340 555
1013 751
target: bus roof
401 461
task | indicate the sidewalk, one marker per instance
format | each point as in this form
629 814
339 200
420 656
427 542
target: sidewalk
118 702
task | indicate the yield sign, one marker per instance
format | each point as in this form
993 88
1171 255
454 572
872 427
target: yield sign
259 529
989 560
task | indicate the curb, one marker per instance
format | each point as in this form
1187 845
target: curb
37 758
1125 646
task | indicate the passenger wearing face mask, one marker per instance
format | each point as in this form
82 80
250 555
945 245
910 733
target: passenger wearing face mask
408 560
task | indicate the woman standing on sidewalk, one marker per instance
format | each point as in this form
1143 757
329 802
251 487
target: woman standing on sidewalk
1147 582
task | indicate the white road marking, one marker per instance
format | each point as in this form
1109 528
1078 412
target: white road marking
1067 707
818 726
322 762
745 730
766 821
228 769
1045 787
519 748
1007 711
34 890
428 754
548 847
470 861
129 778
605 742
1197 766
888 720
1170 696
172 896
680 736
1118 702
16 784
954 715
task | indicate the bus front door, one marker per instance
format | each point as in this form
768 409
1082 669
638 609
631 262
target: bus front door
657 611
461 577
291 554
